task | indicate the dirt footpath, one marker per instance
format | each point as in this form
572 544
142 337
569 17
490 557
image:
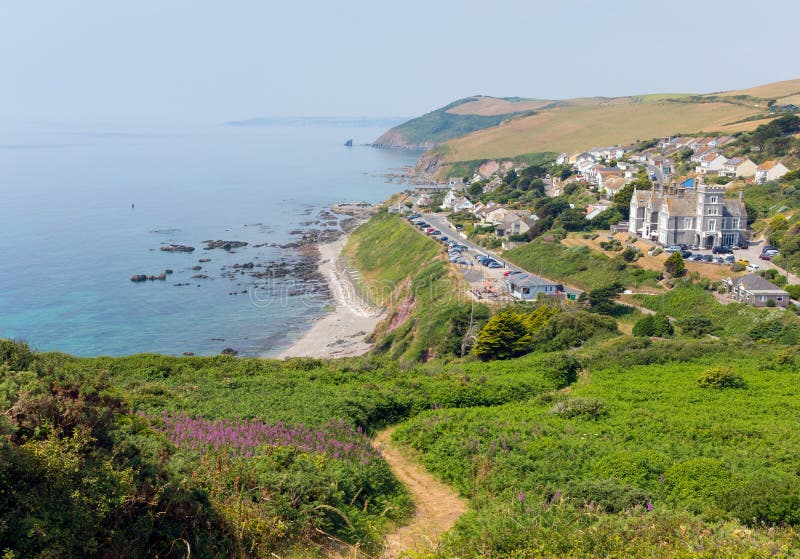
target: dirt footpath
437 505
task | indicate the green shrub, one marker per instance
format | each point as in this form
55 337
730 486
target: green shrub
765 501
736 267
16 354
793 290
577 407
721 377
609 495
697 326
561 369
653 325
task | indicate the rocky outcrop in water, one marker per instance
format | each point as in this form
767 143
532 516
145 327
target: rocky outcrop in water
136 278
224 245
177 248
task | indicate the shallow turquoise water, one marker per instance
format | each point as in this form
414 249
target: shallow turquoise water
70 240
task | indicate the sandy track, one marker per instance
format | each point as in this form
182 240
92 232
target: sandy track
437 505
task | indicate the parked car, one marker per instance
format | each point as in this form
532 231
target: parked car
768 247
771 252
730 259
752 267
707 258
764 256
686 253
494 264
443 238
672 248
721 249
414 216
743 262
434 232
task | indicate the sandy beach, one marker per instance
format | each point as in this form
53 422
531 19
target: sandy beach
342 332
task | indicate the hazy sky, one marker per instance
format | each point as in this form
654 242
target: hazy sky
200 60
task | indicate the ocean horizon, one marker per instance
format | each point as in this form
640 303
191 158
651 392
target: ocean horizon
85 208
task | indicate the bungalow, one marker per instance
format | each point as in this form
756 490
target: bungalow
528 286
699 154
562 159
754 290
739 167
770 171
456 202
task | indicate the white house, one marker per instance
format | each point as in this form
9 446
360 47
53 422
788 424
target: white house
770 171
712 163
528 286
740 167
456 202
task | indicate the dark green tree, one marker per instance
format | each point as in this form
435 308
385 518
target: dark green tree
504 336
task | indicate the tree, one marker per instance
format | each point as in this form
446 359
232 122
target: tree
601 300
697 326
674 265
504 336
622 200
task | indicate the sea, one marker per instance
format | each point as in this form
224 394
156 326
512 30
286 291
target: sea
85 207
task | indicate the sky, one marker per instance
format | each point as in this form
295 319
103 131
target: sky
205 61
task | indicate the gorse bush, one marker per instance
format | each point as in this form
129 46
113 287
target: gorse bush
653 325
721 377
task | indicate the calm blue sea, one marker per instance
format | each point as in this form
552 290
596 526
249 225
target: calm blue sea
70 238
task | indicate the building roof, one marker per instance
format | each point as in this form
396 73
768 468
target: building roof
767 165
755 284
528 280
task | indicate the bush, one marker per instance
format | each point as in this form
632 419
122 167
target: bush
609 495
576 407
562 369
674 265
793 290
765 501
721 377
653 325
736 267
697 326
16 354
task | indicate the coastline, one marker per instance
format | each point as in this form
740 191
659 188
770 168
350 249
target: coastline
342 332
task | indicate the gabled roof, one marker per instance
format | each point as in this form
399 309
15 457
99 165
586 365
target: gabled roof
755 283
767 165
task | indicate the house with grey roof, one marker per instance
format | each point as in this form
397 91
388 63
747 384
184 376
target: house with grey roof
702 217
528 286
754 290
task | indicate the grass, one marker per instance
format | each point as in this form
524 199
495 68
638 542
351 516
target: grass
661 457
580 127
578 265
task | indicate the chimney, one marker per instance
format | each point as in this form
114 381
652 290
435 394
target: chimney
741 195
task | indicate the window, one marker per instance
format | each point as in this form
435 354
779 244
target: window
712 224
779 298
712 199
762 297
687 222
735 223
713 211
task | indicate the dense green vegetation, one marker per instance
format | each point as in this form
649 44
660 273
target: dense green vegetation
569 438
427 315
440 125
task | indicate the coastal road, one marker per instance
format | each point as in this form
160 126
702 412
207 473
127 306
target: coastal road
480 277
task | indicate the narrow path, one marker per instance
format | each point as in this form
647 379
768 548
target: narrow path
437 505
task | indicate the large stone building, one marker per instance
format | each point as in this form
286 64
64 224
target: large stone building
701 216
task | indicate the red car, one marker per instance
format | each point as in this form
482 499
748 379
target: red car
764 257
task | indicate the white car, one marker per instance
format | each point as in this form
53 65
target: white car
752 267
